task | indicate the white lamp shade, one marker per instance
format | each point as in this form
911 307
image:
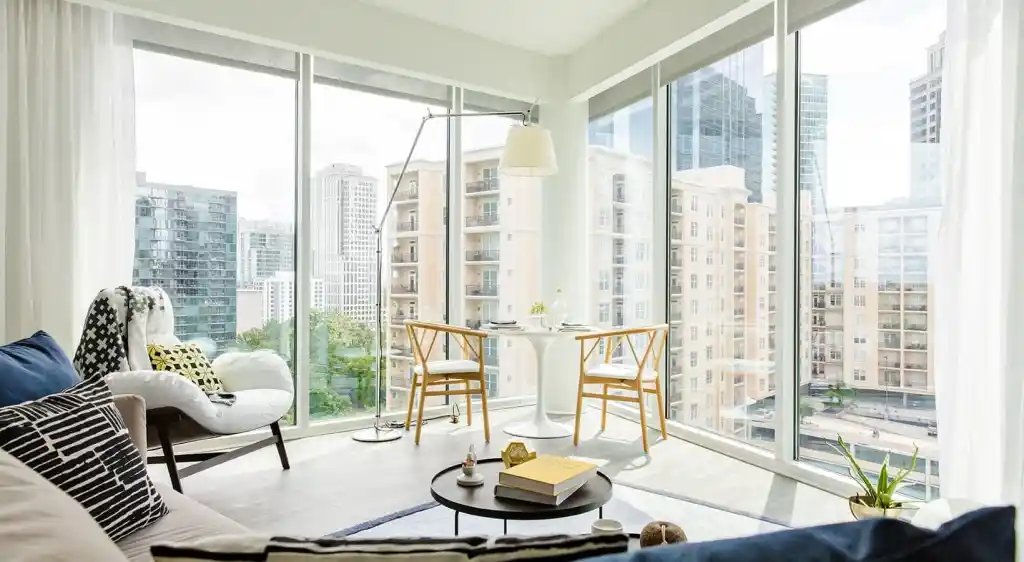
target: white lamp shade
528 152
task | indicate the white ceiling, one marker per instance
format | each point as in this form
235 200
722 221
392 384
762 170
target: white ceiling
550 27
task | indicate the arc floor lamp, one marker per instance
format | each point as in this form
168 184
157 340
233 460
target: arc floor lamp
528 152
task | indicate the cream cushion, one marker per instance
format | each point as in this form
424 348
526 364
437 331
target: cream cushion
39 522
449 367
186 521
619 372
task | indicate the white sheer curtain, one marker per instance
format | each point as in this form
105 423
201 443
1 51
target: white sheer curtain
66 164
980 275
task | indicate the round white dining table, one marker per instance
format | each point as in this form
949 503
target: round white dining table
541 426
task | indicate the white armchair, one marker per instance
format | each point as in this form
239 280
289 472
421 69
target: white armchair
120 324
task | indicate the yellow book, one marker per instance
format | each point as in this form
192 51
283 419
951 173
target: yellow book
548 475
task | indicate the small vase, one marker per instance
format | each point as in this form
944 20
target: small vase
537 321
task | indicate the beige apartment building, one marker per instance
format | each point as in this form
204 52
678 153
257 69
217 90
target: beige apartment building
500 272
872 299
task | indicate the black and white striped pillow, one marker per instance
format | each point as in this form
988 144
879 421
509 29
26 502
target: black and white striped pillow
77 440
560 548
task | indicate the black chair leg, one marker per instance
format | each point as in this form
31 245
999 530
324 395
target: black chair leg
165 443
275 428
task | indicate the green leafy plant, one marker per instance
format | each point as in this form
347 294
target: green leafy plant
538 308
806 410
878 495
838 393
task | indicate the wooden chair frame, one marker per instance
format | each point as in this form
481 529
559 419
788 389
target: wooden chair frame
419 332
649 359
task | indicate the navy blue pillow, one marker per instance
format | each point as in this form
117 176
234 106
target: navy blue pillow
32 368
983 535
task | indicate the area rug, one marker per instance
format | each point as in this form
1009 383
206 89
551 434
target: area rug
633 507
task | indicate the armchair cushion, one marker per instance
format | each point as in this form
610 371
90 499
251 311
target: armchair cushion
251 410
32 368
261 369
449 367
188 361
619 372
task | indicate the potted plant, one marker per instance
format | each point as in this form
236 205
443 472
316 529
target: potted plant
877 498
538 312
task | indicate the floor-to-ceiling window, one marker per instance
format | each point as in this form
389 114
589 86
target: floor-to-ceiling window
870 192
620 220
722 247
215 199
500 242
360 140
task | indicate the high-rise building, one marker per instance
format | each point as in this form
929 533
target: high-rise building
185 243
278 294
264 249
926 98
926 128
813 147
344 203
500 241
718 117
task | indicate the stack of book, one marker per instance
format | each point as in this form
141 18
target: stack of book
545 480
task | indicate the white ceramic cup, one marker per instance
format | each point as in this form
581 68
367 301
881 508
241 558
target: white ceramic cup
606 527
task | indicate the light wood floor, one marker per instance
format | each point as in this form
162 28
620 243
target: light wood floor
336 482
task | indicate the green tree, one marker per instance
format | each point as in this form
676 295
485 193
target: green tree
837 394
340 359
806 410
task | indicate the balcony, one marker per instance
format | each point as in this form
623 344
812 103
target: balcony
888 287
482 220
491 359
618 289
818 304
915 327
407 195
889 344
916 307
916 366
400 351
481 290
739 267
889 249
482 255
888 325
619 228
410 226
739 243
403 258
739 289
740 220
888 363
619 260
676 289
915 287
403 289
675 261
818 287
619 195
917 347
399 319
738 313
474 324
771 288
677 207
772 268
483 186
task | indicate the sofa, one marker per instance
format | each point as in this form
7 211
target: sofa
30 519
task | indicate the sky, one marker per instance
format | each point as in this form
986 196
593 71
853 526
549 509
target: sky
217 127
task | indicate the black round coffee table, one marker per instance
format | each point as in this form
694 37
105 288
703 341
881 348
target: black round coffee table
480 501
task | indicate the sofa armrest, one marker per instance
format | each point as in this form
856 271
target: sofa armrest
133 410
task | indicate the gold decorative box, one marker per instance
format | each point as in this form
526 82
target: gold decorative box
516 453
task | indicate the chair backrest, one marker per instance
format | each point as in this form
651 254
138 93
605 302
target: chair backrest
423 337
643 346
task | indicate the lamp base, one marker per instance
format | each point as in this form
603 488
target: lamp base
377 435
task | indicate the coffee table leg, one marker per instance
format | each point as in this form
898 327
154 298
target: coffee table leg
456 523
504 526
600 513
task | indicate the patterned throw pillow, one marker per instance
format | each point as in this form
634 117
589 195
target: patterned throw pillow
188 361
77 440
